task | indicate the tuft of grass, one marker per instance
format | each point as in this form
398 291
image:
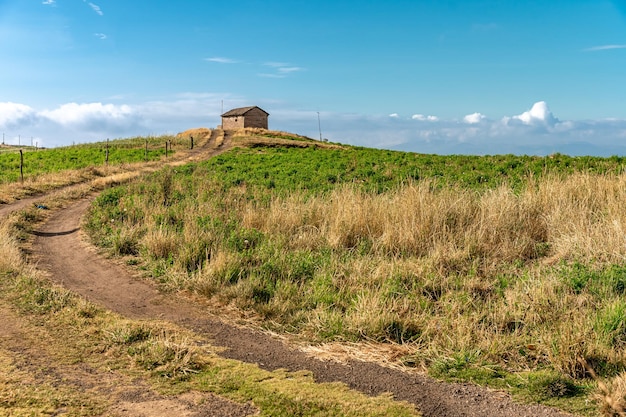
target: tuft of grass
126 242
611 396
166 354
611 323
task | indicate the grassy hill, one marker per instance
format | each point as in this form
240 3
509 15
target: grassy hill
504 270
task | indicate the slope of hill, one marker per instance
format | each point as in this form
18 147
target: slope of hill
463 266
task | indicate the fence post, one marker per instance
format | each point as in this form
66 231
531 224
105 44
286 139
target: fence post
166 149
191 137
106 153
21 166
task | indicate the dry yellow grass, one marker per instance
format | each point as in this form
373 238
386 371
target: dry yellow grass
580 217
11 259
197 133
457 241
255 137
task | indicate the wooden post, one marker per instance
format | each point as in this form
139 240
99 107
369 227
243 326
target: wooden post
191 137
166 144
106 153
21 165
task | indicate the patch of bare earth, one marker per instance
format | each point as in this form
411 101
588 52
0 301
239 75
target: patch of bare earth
29 353
138 404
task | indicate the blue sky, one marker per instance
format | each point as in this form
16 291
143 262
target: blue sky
476 77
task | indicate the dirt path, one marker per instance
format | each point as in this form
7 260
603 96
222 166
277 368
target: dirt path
62 251
24 349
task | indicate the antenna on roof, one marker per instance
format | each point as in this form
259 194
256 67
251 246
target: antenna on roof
222 107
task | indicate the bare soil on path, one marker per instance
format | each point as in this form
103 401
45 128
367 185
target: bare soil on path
61 250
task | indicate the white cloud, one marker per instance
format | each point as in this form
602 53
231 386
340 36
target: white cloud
96 9
394 115
539 114
288 70
14 114
100 36
276 64
92 116
222 60
424 118
605 47
268 75
282 69
474 118
543 134
48 2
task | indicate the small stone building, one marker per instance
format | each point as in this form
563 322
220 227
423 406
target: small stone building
245 117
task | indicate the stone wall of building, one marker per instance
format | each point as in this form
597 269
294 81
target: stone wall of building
233 122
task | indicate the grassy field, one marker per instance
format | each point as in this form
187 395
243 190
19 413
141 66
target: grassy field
63 335
503 270
507 271
55 344
44 161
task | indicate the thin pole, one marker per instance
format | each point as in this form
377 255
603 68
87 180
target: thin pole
319 125
106 153
21 165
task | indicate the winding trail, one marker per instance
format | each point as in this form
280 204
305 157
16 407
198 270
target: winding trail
60 249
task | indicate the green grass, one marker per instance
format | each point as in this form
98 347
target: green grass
543 385
314 169
43 161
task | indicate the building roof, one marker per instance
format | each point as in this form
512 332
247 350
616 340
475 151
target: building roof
241 111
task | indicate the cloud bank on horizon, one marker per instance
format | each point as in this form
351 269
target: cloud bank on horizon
536 131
